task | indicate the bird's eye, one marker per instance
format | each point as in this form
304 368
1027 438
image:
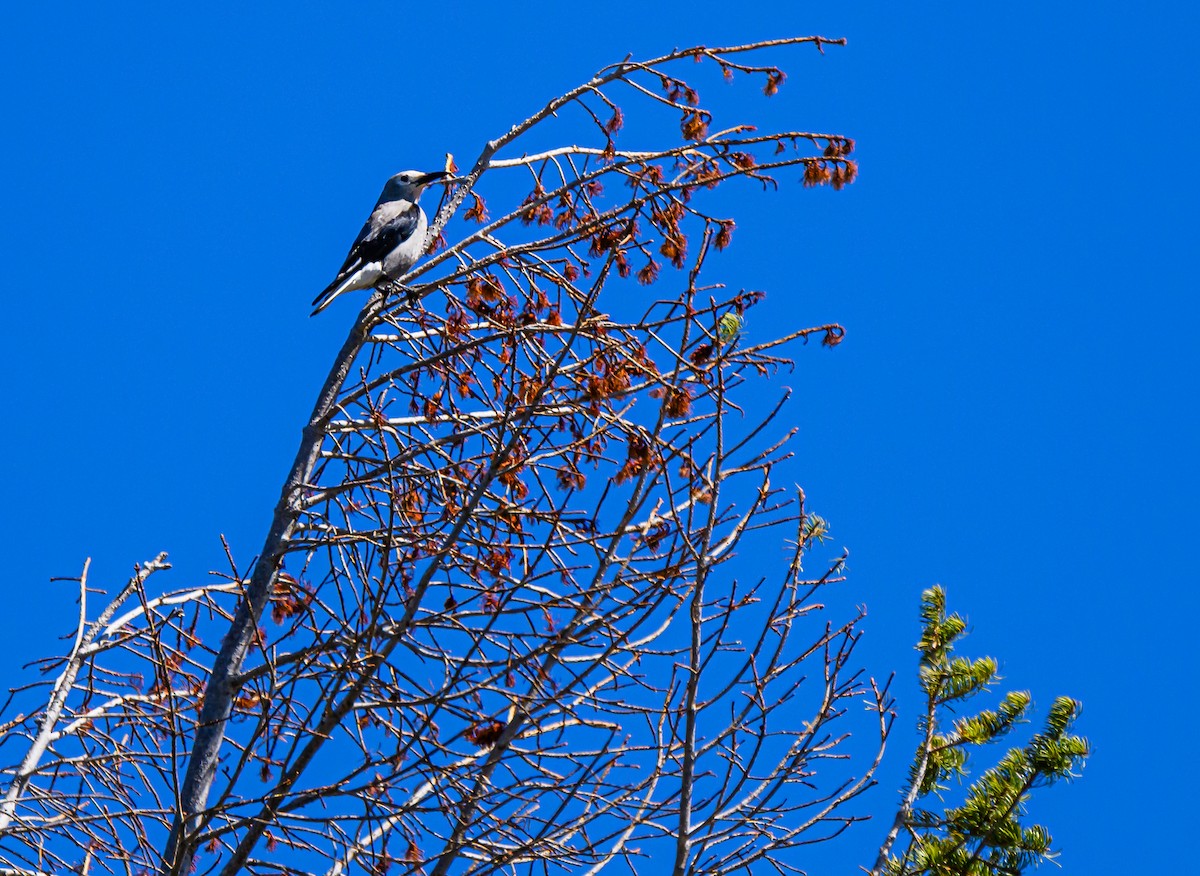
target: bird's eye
404 177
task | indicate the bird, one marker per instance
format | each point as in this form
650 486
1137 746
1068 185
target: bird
391 240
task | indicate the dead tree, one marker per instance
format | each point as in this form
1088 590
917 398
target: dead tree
491 628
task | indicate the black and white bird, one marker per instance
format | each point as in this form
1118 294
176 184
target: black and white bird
390 242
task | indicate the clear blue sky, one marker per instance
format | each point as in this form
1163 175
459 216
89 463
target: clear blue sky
1013 413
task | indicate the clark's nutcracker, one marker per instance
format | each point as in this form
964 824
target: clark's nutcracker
390 242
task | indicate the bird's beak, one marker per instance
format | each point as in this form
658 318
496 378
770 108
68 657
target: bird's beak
427 178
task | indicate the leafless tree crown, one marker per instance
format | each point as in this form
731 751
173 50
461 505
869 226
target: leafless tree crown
491 628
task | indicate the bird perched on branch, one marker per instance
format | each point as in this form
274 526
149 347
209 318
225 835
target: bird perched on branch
390 242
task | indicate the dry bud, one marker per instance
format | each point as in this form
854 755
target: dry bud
816 173
678 401
694 125
725 235
616 122
833 336
476 212
485 734
464 384
649 273
748 299
533 211
412 855
486 286
640 459
675 249
571 479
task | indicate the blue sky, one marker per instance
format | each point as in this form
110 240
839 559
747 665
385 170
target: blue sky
1013 413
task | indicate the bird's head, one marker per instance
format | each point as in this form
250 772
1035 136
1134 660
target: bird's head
407 185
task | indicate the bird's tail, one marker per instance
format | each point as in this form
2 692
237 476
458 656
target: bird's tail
363 278
330 292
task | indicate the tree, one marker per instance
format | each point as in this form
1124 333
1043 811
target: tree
983 835
491 627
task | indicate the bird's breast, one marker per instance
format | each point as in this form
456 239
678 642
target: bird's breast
405 255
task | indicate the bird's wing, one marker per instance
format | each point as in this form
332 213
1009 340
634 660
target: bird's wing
379 236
